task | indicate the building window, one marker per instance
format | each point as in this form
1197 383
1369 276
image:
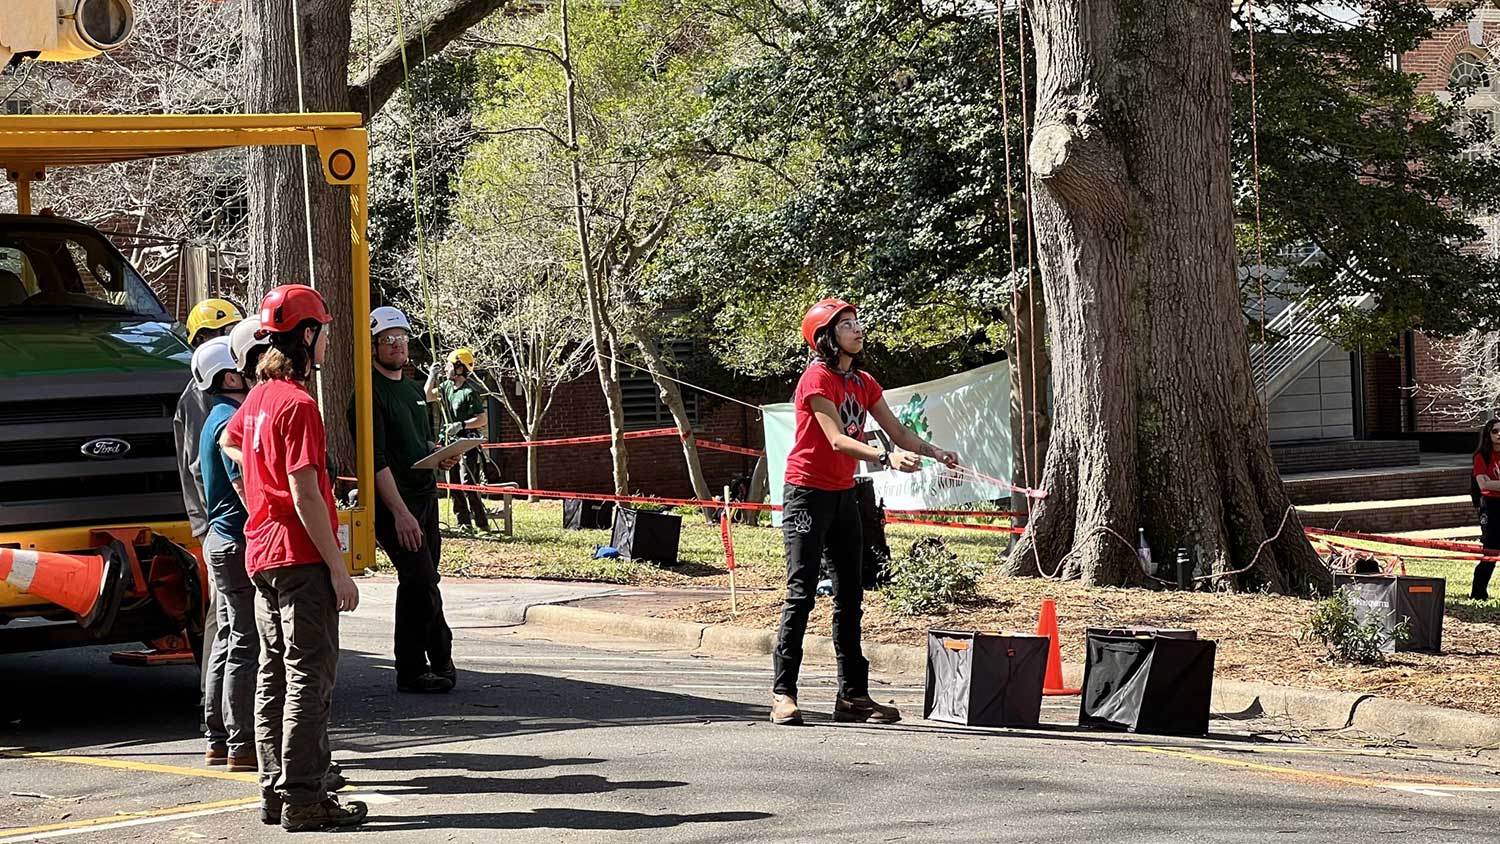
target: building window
643 406
16 106
1470 73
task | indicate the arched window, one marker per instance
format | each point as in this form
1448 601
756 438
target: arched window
1470 73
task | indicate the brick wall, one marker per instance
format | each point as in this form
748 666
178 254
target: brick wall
1435 415
657 466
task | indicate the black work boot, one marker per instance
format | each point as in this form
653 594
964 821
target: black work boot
424 683
449 673
270 808
325 815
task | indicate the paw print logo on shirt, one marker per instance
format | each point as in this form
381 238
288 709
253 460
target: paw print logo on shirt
852 415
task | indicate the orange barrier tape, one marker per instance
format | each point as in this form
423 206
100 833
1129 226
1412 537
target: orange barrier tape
732 449
598 438
1437 544
996 528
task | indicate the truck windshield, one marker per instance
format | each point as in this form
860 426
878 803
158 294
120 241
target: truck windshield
67 269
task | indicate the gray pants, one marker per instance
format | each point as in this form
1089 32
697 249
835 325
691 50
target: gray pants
298 619
229 685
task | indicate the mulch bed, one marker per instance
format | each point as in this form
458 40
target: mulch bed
1256 635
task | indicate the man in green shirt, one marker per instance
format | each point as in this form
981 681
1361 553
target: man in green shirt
406 509
464 408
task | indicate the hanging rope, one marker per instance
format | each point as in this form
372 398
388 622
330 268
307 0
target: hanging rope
1260 260
416 201
1010 220
312 272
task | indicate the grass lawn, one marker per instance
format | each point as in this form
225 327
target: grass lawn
1256 633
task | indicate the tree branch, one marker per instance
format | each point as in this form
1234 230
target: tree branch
373 87
510 45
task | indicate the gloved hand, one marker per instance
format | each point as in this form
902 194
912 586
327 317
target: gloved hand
434 373
453 429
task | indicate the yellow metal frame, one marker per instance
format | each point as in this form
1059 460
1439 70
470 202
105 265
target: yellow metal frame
30 145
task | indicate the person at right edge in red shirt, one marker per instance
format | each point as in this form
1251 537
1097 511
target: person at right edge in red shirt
293 557
1487 478
819 511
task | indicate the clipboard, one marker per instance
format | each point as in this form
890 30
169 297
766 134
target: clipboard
454 449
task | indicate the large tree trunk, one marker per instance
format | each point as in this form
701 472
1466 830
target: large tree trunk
278 251
1157 423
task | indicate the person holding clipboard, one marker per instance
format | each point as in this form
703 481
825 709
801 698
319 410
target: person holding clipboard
406 508
463 406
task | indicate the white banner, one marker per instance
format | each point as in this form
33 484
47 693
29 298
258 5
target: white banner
968 413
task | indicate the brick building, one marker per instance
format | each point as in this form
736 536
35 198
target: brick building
1331 394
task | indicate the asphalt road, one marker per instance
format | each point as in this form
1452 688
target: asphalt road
595 740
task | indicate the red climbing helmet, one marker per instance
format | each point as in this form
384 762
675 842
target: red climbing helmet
820 315
290 305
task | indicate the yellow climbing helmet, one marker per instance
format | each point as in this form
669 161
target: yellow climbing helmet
463 356
211 313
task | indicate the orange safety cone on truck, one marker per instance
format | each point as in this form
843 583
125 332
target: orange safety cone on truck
85 584
1047 626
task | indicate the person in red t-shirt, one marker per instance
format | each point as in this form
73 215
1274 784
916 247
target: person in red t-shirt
820 515
1487 478
293 558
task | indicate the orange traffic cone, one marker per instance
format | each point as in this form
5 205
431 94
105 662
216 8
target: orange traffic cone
77 582
1047 626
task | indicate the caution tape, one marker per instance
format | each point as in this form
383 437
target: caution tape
901 520
1436 544
597 438
732 449
728 542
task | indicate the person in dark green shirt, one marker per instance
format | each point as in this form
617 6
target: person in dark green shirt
406 508
463 405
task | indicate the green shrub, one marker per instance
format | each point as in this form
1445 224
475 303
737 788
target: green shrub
930 578
1344 639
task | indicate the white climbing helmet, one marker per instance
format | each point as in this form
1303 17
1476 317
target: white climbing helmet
386 318
242 341
209 360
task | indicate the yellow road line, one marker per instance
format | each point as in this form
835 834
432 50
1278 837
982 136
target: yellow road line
122 764
168 813
1316 776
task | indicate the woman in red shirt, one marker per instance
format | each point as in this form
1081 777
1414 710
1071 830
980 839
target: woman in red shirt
294 560
1487 476
834 397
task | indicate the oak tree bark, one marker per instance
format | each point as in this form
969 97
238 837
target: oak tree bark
1157 424
278 249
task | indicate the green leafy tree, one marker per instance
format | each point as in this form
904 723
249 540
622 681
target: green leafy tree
1383 179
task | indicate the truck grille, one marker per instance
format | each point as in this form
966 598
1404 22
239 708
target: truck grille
47 481
69 450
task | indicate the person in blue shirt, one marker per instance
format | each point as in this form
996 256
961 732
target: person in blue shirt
236 646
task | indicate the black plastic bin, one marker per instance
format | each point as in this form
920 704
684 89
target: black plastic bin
1147 680
985 679
586 514
646 535
1393 597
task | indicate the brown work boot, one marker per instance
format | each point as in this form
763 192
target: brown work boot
784 710
216 755
326 815
862 709
243 764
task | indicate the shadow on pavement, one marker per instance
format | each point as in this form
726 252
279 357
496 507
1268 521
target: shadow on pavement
568 819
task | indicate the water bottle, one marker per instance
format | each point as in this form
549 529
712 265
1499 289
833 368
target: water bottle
1143 550
1184 570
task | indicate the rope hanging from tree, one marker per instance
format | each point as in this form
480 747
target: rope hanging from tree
1260 261
302 151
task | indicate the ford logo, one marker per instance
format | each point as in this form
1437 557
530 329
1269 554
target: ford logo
105 448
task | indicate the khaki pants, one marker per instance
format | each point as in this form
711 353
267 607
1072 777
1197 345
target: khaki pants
298 620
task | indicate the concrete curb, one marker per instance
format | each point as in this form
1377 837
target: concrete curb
1379 717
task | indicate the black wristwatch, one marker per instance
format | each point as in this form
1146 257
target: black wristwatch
885 459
